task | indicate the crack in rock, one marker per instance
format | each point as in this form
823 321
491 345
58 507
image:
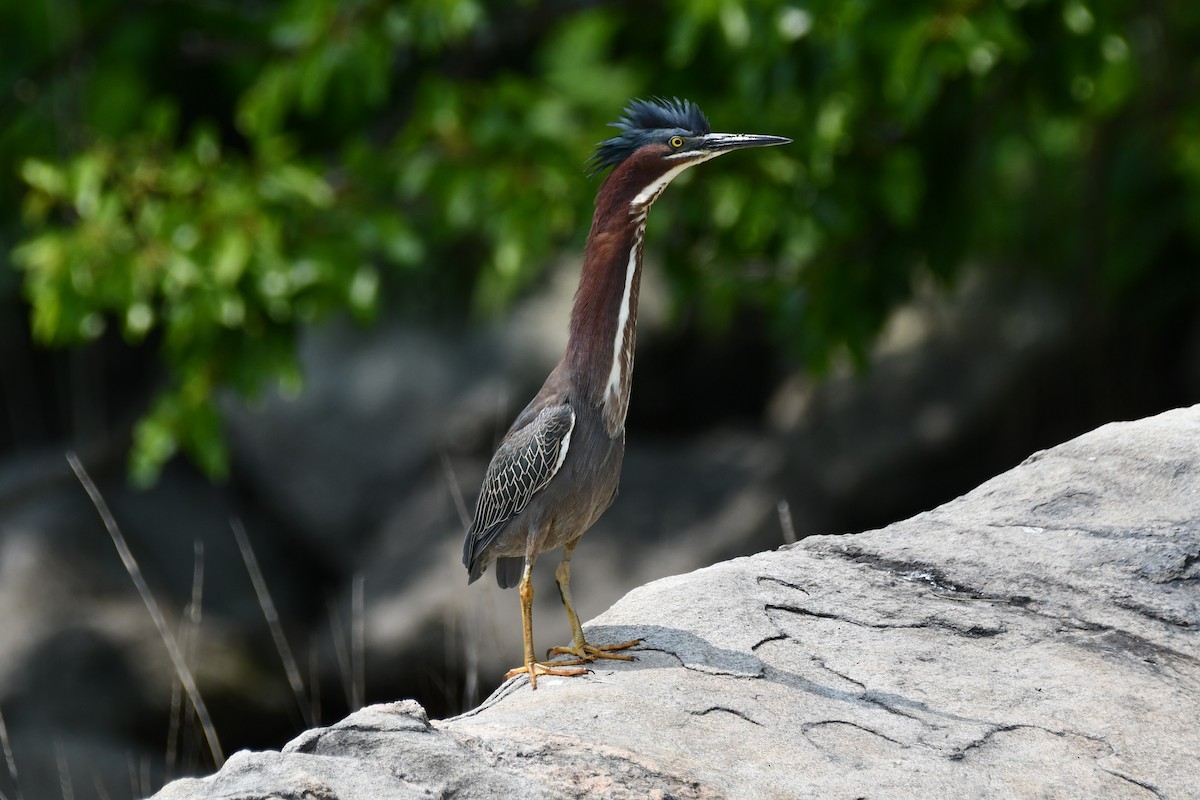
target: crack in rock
1149 787
807 727
651 649
753 672
973 632
586 770
1094 741
808 612
961 753
761 579
977 631
779 637
823 665
727 710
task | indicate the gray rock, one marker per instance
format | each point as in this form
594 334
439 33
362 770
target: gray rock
1034 638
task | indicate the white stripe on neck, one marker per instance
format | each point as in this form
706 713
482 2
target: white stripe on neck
612 391
639 209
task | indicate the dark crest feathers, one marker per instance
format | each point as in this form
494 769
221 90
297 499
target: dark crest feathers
642 120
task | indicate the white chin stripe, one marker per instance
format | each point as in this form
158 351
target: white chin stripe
646 196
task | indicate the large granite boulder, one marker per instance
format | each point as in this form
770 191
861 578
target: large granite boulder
1037 637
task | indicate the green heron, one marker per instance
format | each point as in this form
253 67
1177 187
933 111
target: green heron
556 470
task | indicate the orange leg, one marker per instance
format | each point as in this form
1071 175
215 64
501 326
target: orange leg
580 651
531 667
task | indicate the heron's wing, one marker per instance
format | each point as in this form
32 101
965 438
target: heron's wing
523 464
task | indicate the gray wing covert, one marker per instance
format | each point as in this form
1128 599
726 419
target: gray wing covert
524 463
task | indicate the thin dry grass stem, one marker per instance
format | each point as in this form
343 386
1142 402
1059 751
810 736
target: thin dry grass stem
290 667
455 490
340 649
314 681
785 522
145 777
174 723
9 761
470 645
195 609
358 639
164 631
470 628
65 785
189 629
435 679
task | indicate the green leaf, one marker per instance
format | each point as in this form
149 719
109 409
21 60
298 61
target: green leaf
44 176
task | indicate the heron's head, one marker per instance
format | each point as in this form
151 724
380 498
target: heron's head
663 138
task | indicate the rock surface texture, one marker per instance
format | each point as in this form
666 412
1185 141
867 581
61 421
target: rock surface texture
1037 637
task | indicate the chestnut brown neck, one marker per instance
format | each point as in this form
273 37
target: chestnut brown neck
604 319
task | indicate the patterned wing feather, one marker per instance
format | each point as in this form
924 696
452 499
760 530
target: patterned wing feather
523 464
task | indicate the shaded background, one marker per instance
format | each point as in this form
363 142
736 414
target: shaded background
292 267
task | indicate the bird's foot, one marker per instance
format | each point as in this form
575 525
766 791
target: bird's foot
535 668
587 653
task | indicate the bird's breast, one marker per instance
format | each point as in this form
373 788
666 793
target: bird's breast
588 480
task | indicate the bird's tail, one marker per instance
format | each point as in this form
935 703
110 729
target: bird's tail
508 571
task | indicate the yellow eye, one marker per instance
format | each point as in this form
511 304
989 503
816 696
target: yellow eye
677 142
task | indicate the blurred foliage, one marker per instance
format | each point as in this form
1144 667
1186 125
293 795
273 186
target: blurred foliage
211 175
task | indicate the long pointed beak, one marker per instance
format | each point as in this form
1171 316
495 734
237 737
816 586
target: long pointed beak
724 142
